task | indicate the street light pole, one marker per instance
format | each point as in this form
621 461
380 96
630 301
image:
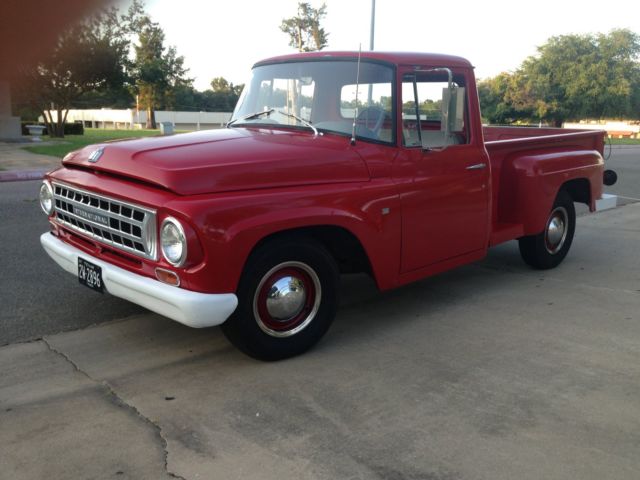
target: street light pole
373 24
371 37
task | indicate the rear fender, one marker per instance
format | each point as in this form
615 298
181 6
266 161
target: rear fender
530 184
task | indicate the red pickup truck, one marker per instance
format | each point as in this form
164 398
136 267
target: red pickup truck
332 163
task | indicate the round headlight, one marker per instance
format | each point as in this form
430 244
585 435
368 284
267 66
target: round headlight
173 242
46 197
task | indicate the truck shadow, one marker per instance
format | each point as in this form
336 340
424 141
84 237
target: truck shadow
364 315
365 311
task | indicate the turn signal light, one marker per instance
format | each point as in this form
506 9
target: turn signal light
168 277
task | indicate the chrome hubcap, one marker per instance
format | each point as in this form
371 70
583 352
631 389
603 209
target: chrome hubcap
556 231
287 299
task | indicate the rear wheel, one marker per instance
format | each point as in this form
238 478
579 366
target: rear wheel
287 299
548 248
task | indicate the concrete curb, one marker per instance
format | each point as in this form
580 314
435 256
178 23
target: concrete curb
22 175
616 147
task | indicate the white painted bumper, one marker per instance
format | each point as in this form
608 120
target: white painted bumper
190 308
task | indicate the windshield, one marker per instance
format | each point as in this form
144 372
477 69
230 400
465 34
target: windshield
323 94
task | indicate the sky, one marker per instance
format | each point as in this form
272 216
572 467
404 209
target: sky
225 38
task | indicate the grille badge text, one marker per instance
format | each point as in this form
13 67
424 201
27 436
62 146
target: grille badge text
93 217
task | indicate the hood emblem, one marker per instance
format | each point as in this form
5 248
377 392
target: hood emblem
96 154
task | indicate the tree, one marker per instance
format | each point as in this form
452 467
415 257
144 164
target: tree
157 70
225 94
495 98
620 52
571 77
224 86
555 80
221 84
304 30
89 56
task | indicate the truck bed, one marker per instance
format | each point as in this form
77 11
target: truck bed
557 152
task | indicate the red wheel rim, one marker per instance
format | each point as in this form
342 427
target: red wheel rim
287 299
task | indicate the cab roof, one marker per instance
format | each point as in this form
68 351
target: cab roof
394 58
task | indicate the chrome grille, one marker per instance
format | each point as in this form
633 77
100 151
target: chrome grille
123 225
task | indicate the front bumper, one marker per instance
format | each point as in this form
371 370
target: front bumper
193 309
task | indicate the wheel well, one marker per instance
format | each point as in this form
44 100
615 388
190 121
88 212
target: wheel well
579 189
343 245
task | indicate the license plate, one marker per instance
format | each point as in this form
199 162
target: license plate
90 275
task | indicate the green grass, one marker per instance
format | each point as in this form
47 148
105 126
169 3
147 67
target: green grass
62 146
624 141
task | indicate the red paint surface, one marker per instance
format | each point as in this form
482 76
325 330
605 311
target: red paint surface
415 213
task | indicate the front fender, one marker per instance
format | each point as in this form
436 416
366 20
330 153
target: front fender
232 225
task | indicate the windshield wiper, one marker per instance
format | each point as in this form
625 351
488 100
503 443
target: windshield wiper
301 120
251 115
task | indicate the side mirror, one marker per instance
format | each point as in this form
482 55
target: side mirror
452 111
451 120
455 114
451 116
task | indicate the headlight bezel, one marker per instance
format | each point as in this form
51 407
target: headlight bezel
173 222
46 185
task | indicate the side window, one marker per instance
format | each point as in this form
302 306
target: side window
424 116
374 104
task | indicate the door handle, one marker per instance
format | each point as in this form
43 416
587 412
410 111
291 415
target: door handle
477 166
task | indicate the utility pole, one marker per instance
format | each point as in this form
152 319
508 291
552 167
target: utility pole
373 24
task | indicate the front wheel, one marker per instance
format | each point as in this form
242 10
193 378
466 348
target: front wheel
548 248
287 299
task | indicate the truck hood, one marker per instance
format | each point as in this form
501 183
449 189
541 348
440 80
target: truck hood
226 160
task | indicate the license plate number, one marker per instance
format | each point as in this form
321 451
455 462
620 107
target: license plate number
90 275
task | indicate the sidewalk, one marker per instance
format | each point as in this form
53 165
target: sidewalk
16 163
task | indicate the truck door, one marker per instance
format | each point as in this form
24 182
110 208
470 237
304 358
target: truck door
445 196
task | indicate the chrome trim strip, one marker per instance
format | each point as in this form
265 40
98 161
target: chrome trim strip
87 192
47 184
180 228
477 166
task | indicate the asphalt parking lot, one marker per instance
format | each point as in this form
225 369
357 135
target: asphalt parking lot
492 371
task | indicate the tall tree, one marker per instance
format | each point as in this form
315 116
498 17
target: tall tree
306 34
89 56
572 77
554 81
495 97
225 94
157 70
221 84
